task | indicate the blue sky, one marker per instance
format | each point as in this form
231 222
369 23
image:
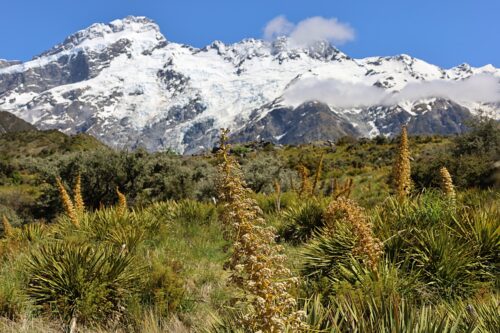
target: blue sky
444 32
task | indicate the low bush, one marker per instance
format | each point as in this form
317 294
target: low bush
81 283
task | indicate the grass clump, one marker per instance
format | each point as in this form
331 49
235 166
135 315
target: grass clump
80 283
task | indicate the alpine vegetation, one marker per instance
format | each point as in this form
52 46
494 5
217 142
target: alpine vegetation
402 169
68 204
346 211
447 184
247 239
257 263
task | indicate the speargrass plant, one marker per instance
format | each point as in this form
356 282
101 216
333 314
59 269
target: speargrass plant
347 211
8 229
402 172
81 284
447 185
79 204
277 193
122 202
317 174
68 203
256 263
305 185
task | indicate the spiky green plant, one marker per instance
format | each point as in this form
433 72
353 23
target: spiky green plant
322 256
448 266
302 220
480 227
33 232
195 212
81 283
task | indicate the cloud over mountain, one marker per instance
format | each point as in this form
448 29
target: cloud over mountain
479 87
309 30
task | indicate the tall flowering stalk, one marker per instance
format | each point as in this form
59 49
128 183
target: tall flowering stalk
8 230
305 185
344 189
277 191
402 171
79 204
317 175
447 184
345 210
256 263
68 204
122 202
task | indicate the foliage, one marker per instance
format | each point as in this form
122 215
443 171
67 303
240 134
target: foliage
256 263
302 220
79 282
151 257
471 158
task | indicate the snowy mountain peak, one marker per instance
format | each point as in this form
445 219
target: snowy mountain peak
138 29
125 84
280 49
284 48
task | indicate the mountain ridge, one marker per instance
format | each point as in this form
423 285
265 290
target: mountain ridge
126 84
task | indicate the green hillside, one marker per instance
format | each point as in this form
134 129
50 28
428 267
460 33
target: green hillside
11 123
34 143
251 237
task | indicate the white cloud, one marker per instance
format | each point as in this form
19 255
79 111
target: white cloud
478 88
278 26
309 30
334 92
319 28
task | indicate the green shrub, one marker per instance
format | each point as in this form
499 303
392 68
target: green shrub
195 212
323 255
13 302
163 288
470 158
302 220
82 282
446 264
396 222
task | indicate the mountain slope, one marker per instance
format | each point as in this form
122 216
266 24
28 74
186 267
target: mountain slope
10 123
125 84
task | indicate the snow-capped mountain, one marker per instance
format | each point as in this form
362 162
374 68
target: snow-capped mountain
125 84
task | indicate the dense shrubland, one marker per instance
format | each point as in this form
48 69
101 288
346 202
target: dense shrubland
362 236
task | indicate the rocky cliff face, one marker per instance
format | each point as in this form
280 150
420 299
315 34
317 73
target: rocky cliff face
125 84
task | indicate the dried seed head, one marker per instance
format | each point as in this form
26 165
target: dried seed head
79 204
305 186
122 202
402 171
344 210
68 204
8 230
447 184
256 262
